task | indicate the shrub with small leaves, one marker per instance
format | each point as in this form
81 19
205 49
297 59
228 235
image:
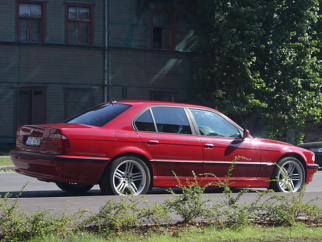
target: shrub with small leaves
190 204
126 214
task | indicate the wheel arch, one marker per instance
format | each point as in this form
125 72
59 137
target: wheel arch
300 159
137 155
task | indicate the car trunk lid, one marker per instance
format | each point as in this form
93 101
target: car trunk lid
41 139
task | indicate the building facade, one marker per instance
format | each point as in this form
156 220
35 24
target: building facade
60 57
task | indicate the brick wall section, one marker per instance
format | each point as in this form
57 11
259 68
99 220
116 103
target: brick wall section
134 69
55 23
7 20
9 63
53 64
143 71
7 115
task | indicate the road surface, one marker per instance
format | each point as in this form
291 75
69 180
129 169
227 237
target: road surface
39 195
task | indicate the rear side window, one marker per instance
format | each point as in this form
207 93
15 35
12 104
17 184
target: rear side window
145 122
100 115
167 120
171 120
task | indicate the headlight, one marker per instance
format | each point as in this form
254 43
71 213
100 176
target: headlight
316 149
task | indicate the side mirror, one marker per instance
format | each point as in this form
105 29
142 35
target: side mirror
246 133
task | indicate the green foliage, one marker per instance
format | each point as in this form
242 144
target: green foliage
190 204
128 214
286 210
17 225
125 214
264 63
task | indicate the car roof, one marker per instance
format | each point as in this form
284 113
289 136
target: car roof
149 103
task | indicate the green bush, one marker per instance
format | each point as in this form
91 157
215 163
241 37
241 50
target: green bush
190 204
125 214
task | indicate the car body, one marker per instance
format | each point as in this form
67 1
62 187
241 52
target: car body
132 146
315 147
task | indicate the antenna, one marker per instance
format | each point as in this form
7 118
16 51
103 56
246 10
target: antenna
113 101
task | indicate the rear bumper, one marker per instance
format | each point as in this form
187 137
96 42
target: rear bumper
62 168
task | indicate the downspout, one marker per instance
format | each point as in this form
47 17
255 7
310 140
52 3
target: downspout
106 53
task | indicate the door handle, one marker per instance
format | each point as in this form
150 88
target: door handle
153 142
209 146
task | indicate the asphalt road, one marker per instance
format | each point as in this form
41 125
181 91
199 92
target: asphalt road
39 195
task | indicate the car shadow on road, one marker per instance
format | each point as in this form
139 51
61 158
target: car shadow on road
97 192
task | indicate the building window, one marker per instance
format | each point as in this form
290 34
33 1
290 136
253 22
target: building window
30 24
163 30
79 24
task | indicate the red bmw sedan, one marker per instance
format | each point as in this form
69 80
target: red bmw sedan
133 146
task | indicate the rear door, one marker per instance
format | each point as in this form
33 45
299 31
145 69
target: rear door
166 132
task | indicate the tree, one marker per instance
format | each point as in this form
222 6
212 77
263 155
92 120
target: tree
264 61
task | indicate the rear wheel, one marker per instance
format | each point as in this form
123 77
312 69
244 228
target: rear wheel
75 188
126 175
288 175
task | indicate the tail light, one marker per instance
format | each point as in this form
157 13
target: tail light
19 141
59 140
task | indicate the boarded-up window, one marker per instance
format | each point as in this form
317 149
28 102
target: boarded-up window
31 105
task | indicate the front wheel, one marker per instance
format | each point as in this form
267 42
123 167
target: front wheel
75 188
126 175
288 175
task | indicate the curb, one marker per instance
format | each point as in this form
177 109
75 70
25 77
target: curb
7 167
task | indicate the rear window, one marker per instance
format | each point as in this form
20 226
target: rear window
100 115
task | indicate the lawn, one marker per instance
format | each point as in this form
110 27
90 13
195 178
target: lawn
299 232
5 161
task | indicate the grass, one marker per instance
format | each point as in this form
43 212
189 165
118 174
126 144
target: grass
299 232
5 161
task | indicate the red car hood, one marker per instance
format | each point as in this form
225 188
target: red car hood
267 144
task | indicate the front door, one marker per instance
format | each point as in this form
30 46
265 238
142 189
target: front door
226 154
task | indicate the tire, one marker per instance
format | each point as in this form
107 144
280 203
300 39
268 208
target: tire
74 188
288 175
126 175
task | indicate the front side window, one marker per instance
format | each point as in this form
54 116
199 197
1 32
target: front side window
30 22
212 124
79 24
163 30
